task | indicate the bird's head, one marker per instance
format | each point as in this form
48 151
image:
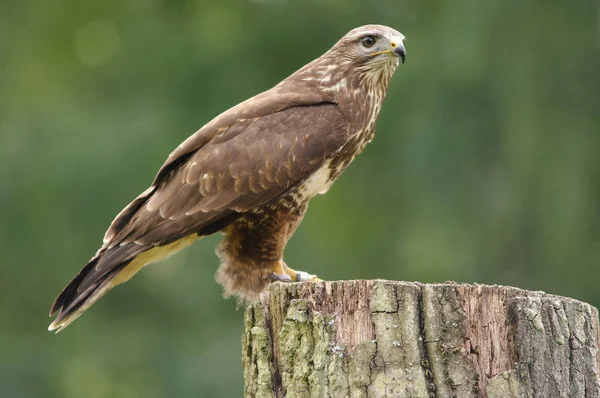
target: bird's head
371 46
363 61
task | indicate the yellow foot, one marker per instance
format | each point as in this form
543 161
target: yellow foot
299 276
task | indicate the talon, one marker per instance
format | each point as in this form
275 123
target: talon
280 277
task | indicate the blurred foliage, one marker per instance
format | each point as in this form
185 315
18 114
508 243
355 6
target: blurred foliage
485 167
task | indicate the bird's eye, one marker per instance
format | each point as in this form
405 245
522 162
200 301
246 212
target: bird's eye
368 41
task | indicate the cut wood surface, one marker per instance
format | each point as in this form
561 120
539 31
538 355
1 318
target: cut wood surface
378 338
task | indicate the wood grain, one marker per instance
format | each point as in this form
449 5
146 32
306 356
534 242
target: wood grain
380 338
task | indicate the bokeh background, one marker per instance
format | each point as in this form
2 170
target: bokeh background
485 167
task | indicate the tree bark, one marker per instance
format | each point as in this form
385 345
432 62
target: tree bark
397 339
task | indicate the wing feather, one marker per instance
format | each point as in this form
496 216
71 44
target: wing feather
247 157
250 155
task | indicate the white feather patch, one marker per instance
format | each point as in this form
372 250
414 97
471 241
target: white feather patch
318 183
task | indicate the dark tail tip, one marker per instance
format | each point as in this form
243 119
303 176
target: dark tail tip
69 293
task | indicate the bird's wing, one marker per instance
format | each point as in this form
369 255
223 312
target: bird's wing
246 164
248 156
219 173
289 126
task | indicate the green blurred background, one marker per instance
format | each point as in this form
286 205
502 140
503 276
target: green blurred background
485 167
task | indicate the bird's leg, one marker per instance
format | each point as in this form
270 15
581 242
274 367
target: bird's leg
299 276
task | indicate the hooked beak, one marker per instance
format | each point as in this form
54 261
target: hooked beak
398 49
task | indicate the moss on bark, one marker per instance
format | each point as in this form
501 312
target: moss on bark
397 339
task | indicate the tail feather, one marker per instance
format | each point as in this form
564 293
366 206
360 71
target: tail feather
67 294
79 305
106 270
82 292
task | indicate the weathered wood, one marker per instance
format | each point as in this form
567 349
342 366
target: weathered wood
397 339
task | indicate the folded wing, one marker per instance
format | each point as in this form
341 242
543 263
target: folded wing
222 171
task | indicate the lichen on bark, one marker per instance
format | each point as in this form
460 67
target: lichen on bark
397 339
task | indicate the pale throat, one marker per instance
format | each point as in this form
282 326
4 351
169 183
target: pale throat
361 91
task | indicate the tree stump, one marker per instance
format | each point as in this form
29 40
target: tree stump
377 338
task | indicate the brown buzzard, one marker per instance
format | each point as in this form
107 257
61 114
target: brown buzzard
250 174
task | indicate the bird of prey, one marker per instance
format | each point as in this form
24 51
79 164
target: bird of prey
250 173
